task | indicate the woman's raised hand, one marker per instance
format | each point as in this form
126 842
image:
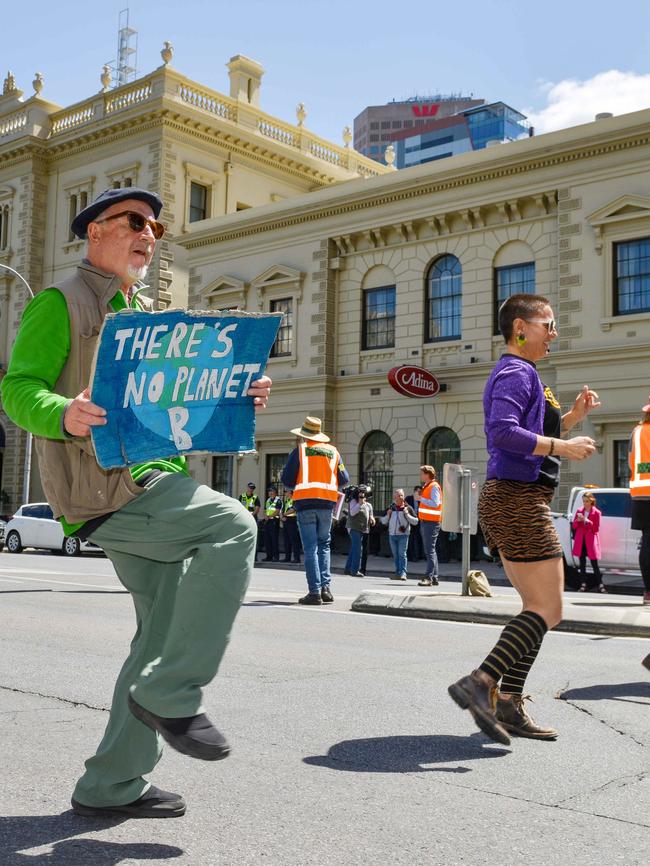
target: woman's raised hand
578 448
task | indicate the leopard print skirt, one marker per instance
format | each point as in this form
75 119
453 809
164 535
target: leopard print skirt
515 518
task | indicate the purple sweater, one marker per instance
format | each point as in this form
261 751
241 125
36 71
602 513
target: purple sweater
513 402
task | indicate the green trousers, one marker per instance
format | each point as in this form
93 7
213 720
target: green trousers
186 554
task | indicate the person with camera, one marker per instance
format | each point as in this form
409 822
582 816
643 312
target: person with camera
415 549
399 518
360 520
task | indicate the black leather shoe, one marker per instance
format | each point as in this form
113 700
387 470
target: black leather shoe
195 736
310 599
326 595
435 581
154 803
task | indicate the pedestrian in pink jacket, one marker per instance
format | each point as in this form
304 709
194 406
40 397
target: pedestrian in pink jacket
586 543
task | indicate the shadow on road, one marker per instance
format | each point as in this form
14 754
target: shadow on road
612 692
23 833
406 754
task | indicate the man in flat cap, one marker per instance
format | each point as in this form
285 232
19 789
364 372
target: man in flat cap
315 472
184 551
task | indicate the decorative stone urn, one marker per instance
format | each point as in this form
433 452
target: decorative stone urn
347 136
38 83
301 113
105 78
167 52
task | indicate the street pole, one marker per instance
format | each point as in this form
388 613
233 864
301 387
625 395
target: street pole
27 469
465 508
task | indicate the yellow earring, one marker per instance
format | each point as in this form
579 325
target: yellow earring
521 339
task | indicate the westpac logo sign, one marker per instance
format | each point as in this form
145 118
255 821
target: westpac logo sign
425 110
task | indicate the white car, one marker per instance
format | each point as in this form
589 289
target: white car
34 525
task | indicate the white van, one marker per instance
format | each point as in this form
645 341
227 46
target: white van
619 542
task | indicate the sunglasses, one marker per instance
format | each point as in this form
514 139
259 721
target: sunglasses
137 222
551 324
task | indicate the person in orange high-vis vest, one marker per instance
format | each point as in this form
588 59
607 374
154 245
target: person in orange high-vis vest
315 473
430 514
640 492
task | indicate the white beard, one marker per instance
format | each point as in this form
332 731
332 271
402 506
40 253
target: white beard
137 273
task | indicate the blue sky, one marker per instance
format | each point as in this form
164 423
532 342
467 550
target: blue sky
342 55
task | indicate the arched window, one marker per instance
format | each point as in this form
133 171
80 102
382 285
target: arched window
376 467
441 446
514 273
444 300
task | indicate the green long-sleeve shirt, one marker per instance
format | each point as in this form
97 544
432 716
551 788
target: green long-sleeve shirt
39 354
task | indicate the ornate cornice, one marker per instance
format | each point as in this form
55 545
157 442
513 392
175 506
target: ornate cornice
170 121
456 178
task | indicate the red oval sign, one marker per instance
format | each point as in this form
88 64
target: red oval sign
413 381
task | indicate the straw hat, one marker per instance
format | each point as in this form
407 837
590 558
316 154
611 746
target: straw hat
311 429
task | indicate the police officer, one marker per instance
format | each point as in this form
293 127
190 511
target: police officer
291 532
272 512
250 500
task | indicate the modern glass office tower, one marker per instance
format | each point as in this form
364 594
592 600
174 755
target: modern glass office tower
471 129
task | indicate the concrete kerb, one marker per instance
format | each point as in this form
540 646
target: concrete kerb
615 619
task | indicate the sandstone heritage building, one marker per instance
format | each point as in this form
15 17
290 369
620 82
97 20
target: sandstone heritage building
410 268
207 154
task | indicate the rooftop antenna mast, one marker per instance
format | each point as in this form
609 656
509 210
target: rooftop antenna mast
124 68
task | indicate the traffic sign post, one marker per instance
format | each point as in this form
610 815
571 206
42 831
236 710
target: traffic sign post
460 510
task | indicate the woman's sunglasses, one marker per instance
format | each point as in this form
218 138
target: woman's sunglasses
551 324
137 222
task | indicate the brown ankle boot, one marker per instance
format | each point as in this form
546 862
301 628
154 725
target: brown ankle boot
512 714
474 694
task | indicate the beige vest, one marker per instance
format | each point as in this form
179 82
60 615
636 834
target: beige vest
74 484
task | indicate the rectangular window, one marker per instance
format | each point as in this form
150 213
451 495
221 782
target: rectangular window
396 124
4 226
621 464
385 124
378 318
198 202
222 474
512 280
275 463
72 213
284 341
632 277
374 126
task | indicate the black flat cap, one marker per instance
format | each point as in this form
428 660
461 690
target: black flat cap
110 197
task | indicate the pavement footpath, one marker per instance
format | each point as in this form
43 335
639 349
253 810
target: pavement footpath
618 613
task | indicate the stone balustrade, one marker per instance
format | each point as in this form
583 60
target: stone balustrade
125 97
13 124
65 120
210 101
167 84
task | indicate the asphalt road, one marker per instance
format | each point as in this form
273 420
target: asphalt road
346 747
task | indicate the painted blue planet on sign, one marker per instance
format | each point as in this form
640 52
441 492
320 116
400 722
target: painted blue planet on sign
175 382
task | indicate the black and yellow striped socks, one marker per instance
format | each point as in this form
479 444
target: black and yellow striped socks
520 639
514 678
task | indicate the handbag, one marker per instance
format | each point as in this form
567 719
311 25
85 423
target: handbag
478 584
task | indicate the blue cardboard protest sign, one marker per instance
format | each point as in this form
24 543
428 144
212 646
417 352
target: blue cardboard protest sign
175 382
